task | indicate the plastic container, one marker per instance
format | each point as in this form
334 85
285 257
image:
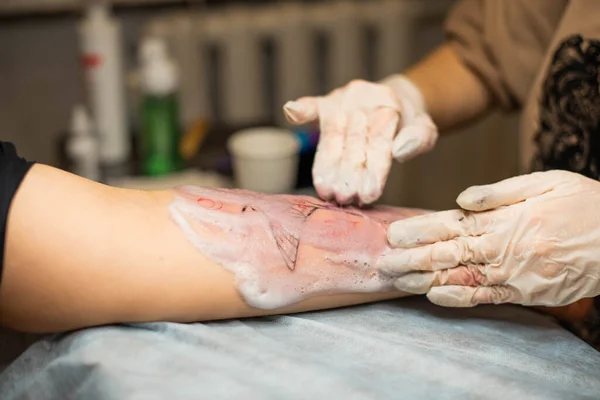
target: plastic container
100 40
83 146
161 133
265 159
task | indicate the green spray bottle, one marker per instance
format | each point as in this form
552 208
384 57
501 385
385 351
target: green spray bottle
161 133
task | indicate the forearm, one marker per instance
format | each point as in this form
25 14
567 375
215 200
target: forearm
80 254
453 94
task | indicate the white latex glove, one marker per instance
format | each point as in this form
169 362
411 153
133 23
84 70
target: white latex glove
363 125
539 244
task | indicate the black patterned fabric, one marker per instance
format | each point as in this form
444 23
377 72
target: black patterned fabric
568 135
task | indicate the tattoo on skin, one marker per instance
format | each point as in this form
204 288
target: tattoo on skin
283 249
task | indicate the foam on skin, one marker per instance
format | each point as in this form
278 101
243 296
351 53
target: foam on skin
283 249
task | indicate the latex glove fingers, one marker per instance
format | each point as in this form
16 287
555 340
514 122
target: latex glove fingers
434 227
330 147
358 124
350 172
302 111
438 256
366 160
447 225
464 275
357 95
513 190
464 296
383 125
417 136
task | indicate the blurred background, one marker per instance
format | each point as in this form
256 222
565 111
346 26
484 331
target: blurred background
169 82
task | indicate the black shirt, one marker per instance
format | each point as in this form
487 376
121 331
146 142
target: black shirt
12 172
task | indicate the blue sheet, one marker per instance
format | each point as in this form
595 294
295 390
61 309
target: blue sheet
392 350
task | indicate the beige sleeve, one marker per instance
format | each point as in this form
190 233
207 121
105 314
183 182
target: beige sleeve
504 42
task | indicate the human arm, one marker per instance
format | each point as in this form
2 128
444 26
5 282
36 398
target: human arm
452 92
365 125
78 253
491 56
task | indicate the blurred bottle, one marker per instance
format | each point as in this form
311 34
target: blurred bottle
100 40
83 146
160 136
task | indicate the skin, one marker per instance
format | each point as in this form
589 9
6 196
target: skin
80 254
284 249
453 94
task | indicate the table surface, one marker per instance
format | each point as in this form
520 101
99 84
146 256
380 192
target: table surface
406 348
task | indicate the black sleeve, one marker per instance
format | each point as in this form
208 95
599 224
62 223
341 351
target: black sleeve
12 171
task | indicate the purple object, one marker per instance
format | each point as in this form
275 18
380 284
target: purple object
308 140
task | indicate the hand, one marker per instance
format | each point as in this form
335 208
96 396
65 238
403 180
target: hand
364 125
532 240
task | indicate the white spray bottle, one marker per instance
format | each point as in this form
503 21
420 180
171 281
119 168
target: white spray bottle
101 45
82 146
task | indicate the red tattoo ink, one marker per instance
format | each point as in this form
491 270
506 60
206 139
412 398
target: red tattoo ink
209 203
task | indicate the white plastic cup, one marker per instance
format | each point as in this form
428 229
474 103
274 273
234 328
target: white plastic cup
265 159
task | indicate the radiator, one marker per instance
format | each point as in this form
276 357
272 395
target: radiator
240 64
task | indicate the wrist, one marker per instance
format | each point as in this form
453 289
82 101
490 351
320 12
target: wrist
404 88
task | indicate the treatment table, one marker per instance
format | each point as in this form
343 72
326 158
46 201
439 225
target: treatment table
401 349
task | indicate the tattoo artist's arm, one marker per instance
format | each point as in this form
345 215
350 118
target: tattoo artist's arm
79 254
453 94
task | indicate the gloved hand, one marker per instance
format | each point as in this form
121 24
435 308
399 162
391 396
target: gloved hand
362 126
532 240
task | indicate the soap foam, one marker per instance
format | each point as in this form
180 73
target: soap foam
283 249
